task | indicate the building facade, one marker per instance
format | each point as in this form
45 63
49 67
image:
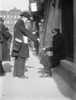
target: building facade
61 14
10 17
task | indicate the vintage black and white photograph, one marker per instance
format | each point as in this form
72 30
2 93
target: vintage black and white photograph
37 50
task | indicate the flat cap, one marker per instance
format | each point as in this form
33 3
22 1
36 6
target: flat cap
25 14
56 30
1 20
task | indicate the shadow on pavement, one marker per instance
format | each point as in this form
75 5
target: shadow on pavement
63 86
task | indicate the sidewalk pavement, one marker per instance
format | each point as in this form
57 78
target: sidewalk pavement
34 87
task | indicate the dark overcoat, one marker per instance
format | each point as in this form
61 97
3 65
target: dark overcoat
5 49
19 32
58 47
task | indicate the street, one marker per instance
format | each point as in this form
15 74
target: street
34 87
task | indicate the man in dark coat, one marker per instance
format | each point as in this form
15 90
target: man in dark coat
20 33
58 49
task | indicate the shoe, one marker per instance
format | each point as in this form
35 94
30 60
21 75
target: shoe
22 76
46 75
15 75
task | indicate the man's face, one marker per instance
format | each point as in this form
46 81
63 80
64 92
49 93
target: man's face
25 19
27 24
54 33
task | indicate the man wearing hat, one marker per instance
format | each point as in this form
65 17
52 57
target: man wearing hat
20 35
58 49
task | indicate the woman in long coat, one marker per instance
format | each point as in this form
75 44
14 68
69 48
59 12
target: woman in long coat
7 37
2 73
3 45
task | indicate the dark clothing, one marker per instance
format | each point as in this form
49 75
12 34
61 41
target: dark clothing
19 32
1 68
4 46
4 36
19 66
7 37
58 48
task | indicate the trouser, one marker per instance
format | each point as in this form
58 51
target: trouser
53 63
1 68
19 66
0 51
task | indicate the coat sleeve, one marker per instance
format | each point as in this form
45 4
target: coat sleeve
56 44
7 35
27 33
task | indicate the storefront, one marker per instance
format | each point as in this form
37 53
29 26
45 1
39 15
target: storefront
61 14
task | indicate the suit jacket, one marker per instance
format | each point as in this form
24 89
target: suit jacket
19 32
58 47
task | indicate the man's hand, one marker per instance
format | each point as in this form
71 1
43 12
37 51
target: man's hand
44 49
38 40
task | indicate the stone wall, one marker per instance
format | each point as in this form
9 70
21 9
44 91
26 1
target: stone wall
67 69
54 21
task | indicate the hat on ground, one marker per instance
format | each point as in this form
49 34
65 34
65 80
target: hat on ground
1 20
25 14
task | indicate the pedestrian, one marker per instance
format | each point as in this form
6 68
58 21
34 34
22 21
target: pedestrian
3 37
21 51
7 37
2 72
58 49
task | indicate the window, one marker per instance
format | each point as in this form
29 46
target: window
18 17
15 17
33 6
11 22
4 16
7 22
14 22
8 16
11 17
67 28
4 22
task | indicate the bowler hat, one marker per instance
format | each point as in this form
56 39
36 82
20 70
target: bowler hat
1 20
25 14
